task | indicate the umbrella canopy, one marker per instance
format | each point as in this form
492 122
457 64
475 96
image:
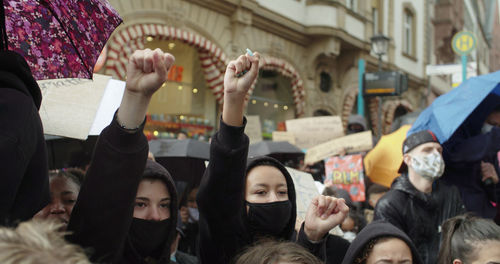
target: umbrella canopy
474 99
58 38
180 148
280 150
66 152
383 161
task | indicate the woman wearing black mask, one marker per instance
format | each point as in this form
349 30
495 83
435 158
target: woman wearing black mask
241 204
123 213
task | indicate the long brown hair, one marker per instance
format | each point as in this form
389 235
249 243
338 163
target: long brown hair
461 235
270 252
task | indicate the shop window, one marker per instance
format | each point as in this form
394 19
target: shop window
272 100
184 104
325 82
409 32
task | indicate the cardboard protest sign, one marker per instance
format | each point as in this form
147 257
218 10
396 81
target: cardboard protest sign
313 131
284 136
346 172
69 106
305 191
253 129
350 144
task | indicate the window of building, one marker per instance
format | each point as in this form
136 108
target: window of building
352 4
325 82
375 21
409 33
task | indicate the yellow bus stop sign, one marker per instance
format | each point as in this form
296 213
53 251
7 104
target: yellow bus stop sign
463 42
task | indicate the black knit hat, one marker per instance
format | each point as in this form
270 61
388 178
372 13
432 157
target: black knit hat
414 140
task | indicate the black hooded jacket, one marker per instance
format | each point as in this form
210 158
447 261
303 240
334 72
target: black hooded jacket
224 231
23 156
102 216
154 170
420 215
377 229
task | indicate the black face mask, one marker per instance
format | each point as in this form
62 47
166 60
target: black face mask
149 237
269 218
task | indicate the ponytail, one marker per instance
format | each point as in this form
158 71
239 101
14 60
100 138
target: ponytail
461 235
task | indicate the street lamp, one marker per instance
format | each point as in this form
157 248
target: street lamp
380 44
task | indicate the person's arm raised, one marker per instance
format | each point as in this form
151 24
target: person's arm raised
236 88
146 72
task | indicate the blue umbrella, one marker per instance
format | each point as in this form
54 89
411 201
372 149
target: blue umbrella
472 100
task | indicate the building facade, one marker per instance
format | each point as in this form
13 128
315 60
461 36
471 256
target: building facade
310 48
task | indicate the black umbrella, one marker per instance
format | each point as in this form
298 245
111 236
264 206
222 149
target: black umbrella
184 159
280 150
180 148
66 152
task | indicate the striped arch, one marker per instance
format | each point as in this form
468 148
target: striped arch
389 109
349 102
286 69
127 40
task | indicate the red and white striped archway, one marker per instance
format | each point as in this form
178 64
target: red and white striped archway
213 60
126 41
286 69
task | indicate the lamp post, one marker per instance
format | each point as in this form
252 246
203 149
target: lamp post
380 44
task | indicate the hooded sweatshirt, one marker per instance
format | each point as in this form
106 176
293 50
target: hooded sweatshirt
154 170
374 230
224 227
23 156
101 219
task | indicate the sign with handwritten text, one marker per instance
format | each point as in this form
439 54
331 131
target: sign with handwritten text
312 131
346 172
349 144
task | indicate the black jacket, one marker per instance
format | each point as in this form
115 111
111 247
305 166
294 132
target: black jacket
102 216
23 156
224 231
420 215
374 230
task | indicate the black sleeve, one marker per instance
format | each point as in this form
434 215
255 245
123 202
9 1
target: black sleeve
103 212
387 210
219 197
318 249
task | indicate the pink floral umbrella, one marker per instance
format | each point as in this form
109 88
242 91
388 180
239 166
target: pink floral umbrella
58 38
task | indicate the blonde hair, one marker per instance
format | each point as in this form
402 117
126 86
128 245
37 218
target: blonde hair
37 242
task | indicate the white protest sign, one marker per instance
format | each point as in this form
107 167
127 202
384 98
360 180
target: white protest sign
110 102
69 106
305 190
284 136
313 131
253 129
350 144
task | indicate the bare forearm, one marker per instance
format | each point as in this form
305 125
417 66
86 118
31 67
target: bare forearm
133 109
232 114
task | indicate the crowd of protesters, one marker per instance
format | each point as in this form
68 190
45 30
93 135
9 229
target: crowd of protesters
126 208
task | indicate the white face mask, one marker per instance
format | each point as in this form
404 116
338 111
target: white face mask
430 166
486 128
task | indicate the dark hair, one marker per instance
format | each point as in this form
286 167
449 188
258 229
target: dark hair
461 235
496 109
338 193
66 173
376 188
367 250
271 252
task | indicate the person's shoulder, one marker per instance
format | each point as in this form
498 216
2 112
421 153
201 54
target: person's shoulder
393 199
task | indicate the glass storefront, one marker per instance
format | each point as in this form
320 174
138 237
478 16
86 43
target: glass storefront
272 100
184 105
